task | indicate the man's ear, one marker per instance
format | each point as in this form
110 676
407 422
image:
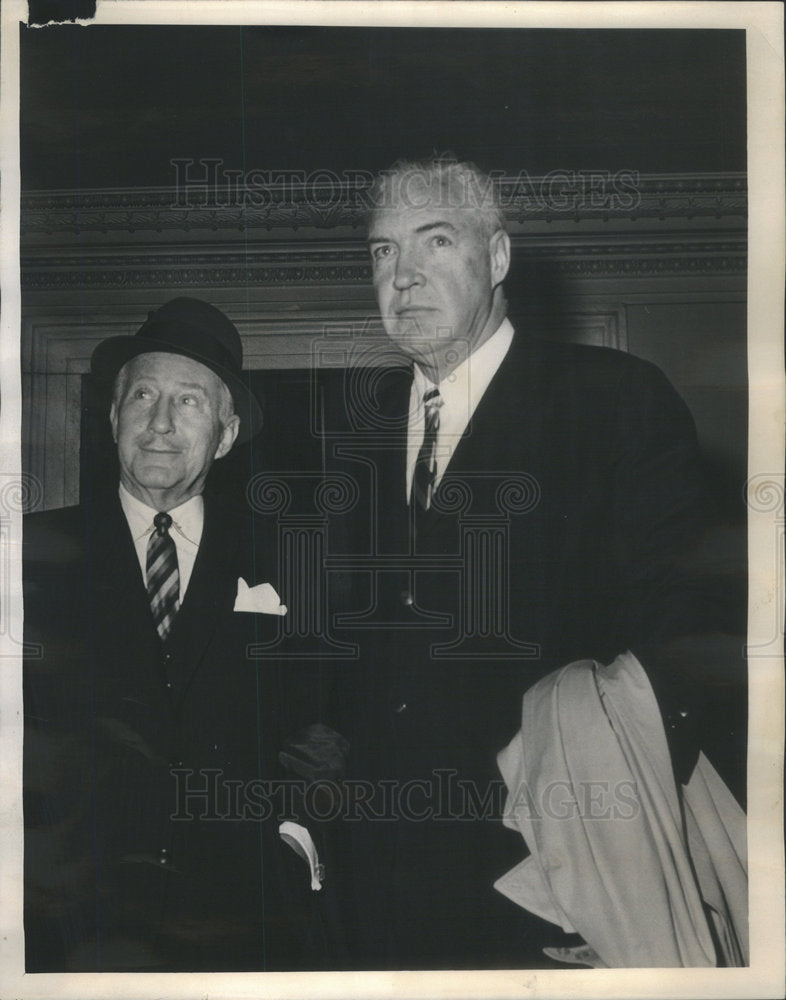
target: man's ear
228 435
499 256
113 419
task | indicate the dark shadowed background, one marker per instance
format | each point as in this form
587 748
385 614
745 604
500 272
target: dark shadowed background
109 107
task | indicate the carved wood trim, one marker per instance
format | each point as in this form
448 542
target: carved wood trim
287 266
263 204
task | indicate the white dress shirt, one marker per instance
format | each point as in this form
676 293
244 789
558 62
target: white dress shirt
461 391
187 522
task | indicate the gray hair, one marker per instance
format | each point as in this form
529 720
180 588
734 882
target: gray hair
449 183
226 405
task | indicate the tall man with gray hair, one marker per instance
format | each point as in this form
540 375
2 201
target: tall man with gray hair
532 505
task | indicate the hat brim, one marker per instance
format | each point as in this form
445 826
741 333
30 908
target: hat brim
110 356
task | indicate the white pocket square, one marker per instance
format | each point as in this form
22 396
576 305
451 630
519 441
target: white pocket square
261 599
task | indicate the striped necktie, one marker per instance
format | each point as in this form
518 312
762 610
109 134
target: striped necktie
426 464
163 577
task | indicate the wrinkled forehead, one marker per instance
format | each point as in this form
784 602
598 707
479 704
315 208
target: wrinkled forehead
416 202
164 368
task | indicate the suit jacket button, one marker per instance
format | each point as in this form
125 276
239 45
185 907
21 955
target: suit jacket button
402 707
167 657
406 598
163 857
677 718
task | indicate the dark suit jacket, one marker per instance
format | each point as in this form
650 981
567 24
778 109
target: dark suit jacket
561 530
151 838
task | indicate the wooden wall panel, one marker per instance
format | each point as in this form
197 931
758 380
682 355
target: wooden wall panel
663 276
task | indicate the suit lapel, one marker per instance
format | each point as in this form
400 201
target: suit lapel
509 402
210 594
115 576
390 461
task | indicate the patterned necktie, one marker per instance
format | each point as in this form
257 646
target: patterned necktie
426 465
163 577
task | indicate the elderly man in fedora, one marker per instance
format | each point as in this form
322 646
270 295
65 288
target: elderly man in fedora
151 735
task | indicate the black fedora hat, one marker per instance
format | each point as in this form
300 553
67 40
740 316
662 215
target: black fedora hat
198 331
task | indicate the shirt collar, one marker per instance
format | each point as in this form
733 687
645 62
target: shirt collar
467 383
187 518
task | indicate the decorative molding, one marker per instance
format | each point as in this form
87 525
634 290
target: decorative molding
292 265
168 270
285 254
575 196
654 266
602 196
